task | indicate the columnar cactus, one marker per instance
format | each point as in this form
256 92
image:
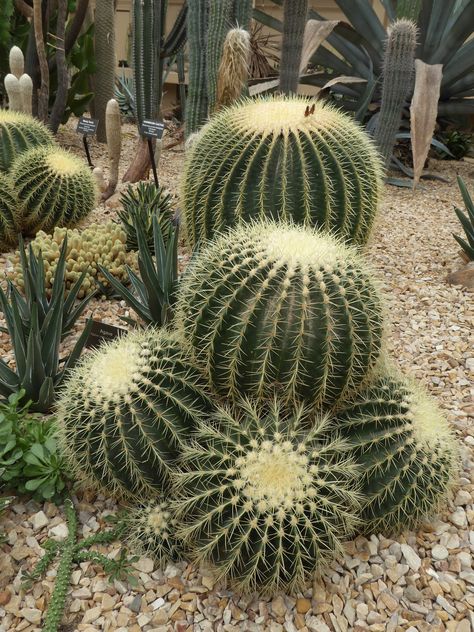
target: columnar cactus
151 530
263 500
104 26
234 68
8 213
295 15
13 90
219 24
113 125
54 188
16 61
18 133
398 71
271 308
197 103
282 157
406 449
126 411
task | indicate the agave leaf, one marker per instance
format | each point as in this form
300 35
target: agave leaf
467 225
122 291
469 250
456 31
468 202
75 353
364 19
315 33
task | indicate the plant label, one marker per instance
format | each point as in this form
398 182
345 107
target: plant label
152 129
87 126
101 332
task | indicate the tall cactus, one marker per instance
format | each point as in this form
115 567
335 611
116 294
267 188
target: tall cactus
218 25
104 81
282 157
234 67
398 71
272 307
198 103
295 14
243 13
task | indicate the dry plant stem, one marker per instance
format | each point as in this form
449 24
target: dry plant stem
24 8
140 167
63 78
43 93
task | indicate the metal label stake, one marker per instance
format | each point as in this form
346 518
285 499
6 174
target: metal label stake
150 130
87 127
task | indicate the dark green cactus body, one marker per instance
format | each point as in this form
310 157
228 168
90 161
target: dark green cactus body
8 213
54 189
406 449
197 104
219 23
263 500
295 14
127 410
243 13
274 158
409 9
398 71
273 308
18 133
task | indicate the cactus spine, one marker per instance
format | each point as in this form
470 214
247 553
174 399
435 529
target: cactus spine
295 14
113 125
406 449
263 500
104 81
54 189
8 213
282 157
275 308
198 103
234 68
126 411
18 133
398 73
219 24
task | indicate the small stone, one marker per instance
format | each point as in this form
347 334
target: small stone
464 277
108 603
33 615
303 605
444 603
412 594
412 558
464 626
39 520
279 606
463 497
439 552
136 604
60 531
468 576
92 615
158 603
362 610
144 565
5 596
466 560
459 517
374 617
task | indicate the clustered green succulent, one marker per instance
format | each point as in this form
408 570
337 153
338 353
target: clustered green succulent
87 250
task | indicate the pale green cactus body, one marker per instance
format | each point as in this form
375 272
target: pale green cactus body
54 188
407 451
126 411
278 158
263 500
270 307
19 133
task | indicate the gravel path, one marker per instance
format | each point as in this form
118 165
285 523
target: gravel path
418 581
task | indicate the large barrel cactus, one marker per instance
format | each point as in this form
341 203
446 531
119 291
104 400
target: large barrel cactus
126 411
263 500
285 158
271 307
54 188
8 213
407 451
18 133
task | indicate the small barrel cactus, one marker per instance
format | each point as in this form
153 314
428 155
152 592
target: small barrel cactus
8 213
406 449
18 133
270 307
98 245
151 530
264 500
126 411
54 187
283 158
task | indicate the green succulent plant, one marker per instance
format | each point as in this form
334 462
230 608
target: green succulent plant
467 221
86 251
140 205
264 500
126 411
54 189
282 158
406 449
18 133
271 307
9 213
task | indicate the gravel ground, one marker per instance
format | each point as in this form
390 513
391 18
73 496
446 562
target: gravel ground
418 581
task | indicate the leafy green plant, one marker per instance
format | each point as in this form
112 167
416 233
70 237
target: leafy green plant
125 97
140 205
457 142
153 294
467 221
29 457
36 326
71 552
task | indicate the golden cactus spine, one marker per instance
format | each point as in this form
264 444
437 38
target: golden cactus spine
234 68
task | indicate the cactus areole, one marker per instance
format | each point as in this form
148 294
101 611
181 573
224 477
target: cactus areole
285 158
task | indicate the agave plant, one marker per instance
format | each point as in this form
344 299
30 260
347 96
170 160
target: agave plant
355 48
467 221
153 295
36 326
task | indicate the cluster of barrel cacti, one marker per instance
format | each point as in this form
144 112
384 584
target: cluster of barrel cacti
266 425
42 186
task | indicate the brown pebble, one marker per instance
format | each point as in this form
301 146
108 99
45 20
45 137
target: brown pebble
303 605
5 597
